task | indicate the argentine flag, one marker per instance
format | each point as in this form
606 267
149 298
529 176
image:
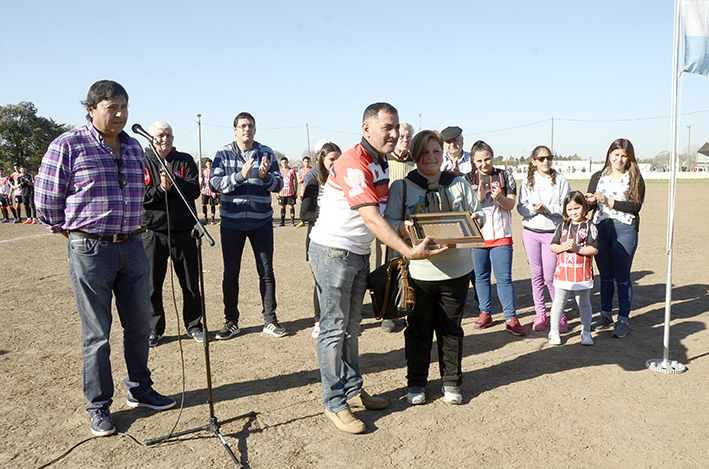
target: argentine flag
695 16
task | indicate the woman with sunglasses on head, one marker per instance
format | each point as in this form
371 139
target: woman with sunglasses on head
541 199
617 193
440 283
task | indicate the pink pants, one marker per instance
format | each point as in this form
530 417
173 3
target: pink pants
542 263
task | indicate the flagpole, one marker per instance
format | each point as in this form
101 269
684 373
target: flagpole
665 365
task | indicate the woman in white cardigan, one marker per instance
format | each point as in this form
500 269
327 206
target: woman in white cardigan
541 199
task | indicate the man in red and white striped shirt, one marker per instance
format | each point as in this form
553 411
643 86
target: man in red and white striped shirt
288 196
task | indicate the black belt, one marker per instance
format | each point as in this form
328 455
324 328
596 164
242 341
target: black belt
118 238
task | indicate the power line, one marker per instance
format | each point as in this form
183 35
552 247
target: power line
336 131
509 128
630 119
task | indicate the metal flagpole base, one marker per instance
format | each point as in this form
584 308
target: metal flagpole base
665 366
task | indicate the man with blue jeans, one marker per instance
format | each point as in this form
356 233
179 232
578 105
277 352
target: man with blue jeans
245 173
90 188
340 244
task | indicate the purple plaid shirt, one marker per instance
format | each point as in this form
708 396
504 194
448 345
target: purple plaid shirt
77 184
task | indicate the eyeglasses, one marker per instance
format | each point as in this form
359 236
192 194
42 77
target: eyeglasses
120 167
544 158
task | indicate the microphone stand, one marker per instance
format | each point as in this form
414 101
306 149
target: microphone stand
198 232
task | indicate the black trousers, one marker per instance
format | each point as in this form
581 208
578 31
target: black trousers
28 201
439 308
184 259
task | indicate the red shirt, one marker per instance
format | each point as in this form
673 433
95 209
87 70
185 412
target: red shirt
355 180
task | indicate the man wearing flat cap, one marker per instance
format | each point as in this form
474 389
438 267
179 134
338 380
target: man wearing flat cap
455 158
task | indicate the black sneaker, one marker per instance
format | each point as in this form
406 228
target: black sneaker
101 423
151 400
229 331
275 329
603 322
154 339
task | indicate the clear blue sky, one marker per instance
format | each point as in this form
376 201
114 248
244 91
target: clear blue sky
500 70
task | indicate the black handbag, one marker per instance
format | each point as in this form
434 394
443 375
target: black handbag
392 295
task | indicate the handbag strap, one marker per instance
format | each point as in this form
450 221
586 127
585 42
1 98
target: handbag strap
389 251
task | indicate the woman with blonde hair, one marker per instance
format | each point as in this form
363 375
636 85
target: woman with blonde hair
440 283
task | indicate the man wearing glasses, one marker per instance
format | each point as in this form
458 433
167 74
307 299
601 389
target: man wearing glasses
245 173
91 189
455 158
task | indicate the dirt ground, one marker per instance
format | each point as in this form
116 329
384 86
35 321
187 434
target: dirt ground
526 404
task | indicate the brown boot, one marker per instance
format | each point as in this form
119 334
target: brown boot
368 402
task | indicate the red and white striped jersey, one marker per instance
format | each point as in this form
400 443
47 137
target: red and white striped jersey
290 182
206 174
574 271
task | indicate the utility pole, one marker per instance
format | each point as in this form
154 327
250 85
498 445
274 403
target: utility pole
419 122
307 133
199 143
552 135
689 135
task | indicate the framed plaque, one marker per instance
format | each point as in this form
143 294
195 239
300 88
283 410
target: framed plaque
457 229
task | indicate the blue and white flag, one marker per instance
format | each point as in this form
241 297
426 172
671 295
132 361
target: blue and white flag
695 16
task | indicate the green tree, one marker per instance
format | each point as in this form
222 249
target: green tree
25 136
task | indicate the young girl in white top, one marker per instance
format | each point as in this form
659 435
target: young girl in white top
575 243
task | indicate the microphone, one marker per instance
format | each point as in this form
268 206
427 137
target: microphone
137 129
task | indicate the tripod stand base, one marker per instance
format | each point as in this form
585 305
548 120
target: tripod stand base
212 427
665 366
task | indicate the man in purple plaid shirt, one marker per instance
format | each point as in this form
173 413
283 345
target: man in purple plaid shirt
91 189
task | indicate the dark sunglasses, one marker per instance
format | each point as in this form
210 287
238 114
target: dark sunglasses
121 166
542 158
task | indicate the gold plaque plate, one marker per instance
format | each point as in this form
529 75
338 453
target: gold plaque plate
451 228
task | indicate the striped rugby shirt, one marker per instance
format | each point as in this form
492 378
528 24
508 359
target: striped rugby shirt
574 271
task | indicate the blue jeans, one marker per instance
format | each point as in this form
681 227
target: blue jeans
341 280
617 243
498 258
99 269
261 240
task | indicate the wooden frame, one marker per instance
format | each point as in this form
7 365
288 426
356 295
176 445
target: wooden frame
456 229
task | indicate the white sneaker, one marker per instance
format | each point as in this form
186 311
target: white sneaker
452 395
586 338
316 331
416 395
554 338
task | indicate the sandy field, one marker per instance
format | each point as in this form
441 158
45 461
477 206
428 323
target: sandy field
526 404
